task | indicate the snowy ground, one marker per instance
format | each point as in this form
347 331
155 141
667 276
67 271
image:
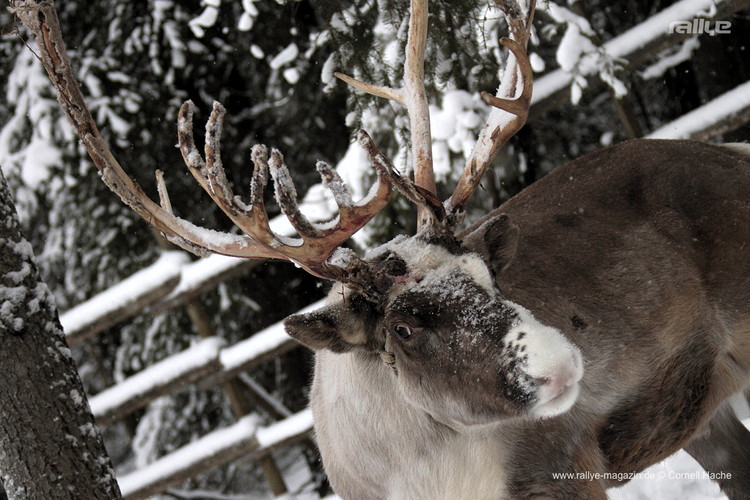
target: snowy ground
677 478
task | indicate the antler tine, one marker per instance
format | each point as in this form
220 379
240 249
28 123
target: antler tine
318 244
252 220
286 197
352 216
508 115
432 208
259 180
209 173
519 105
334 183
414 98
254 217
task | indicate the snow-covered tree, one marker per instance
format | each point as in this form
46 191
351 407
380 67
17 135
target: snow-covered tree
50 446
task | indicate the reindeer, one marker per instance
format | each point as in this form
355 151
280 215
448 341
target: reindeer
595 323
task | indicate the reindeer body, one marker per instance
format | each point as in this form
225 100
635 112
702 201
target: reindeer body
639 253
638 256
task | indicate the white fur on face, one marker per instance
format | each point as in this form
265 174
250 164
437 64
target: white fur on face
552 362
423 259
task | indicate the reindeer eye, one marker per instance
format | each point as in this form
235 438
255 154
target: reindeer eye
402 330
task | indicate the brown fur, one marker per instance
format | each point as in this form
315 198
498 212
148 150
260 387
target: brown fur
640 254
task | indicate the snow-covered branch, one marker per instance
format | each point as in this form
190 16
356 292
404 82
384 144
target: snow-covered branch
718 116
635 46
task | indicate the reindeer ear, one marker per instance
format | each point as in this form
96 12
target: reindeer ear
339 327
496 241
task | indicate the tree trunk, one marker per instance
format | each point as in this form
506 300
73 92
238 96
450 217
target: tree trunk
50 446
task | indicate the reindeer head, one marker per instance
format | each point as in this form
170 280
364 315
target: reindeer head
458 349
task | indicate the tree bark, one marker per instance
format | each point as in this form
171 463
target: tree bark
49 444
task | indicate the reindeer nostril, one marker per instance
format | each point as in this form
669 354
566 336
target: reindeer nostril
541 380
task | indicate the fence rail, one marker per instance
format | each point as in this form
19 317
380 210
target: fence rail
209 362
244 439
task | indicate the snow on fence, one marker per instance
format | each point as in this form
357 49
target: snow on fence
245 439
723 114
199 276
125 299
178 370
171 281
208 361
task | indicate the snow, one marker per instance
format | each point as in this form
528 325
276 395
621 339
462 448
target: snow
167 267
286 56
210 238
257 52
299 423
237 356
671 58
172 368
326 73
291 75
193 276
690 125
227 444
28 89
626 44
16 296
247 19
205 19
573 47
196 275
677 478
454 127
190 455
332 181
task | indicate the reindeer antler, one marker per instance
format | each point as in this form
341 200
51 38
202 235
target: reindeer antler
500 126
414 98
509 113
315 248
315 245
